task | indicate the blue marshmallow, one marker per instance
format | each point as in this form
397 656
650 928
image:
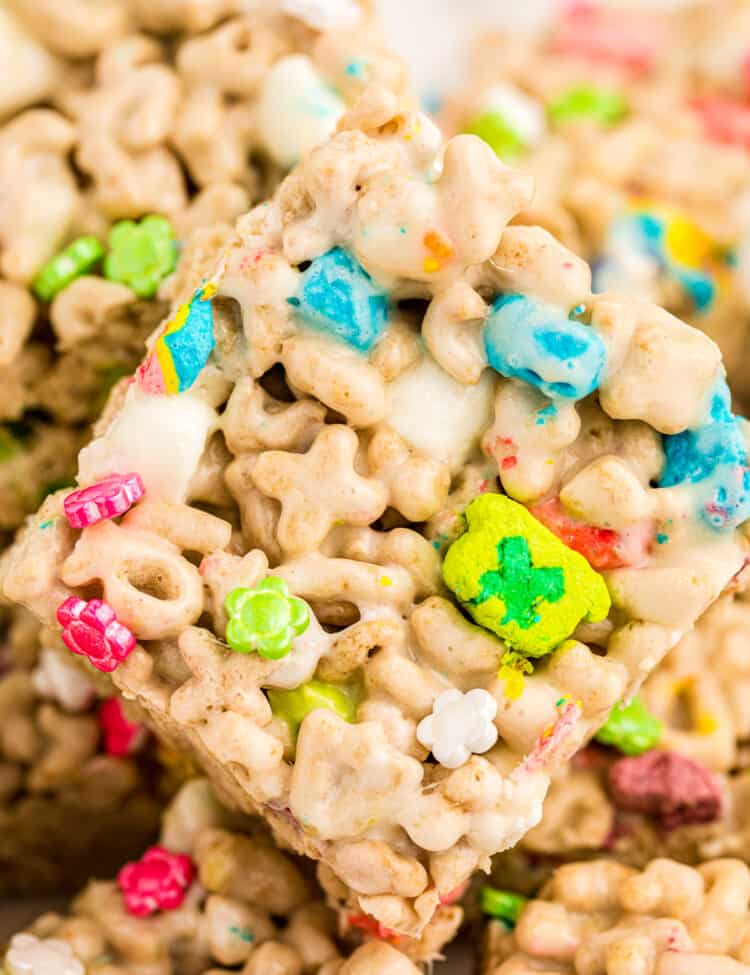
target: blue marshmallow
712 456
339 297
530 340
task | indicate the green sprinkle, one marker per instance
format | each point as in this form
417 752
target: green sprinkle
661 538
499 136
76 260
244 934
47 524
631 728
603 105
294 706
141 254
503 904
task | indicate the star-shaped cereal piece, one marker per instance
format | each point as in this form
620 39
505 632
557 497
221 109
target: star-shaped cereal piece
319 489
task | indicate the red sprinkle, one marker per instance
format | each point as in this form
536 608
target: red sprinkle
121 736
603 548
373 927
676 790
508 462
613 37
725 119
454 895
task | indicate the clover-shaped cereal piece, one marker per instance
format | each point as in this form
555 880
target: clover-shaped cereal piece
156 882
265 619
518 580
29 955
631 728
141 254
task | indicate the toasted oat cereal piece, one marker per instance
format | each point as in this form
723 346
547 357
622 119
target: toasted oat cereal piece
291 627
604 918
214 894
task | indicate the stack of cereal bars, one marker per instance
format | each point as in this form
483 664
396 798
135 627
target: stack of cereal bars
398 579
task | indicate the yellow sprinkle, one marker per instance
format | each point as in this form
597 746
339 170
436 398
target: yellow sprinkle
431 264
385 581
706 723
209 290
514 682
682 684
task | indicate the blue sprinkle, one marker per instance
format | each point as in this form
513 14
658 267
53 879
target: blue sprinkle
534 341
356 68
339 297
432 102
713 457
661 538
48 523
548 413
294 301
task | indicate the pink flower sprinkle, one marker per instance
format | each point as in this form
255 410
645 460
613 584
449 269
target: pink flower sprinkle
109 498
156 882
91 629
121 736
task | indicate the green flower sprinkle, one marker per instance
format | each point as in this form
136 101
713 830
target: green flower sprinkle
265 619
141 255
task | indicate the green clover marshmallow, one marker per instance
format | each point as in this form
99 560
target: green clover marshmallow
141 254
294 706
519 580
631 728
265 618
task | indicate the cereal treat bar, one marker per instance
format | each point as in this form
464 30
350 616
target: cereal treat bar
635 124
604 918
395 511
213 896
69 756
125 131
